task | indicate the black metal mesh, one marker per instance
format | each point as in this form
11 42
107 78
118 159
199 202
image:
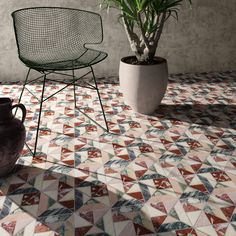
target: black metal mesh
55 38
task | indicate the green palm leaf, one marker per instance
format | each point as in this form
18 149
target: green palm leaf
147 17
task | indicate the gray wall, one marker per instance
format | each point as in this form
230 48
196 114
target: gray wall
203 39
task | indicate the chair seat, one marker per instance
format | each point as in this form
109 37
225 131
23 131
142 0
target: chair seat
88 58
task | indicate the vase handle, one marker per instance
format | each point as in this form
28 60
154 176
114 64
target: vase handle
23 109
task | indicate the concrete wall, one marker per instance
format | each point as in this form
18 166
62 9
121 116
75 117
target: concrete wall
203 39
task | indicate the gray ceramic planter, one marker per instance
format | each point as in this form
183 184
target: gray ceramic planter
143 86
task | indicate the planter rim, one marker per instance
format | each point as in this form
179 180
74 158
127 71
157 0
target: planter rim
163 61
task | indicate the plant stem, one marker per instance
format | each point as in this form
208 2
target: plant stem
134 40
159 31
144 38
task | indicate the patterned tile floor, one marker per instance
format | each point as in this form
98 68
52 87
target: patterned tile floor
172 173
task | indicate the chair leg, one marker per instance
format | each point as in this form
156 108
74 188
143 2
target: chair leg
22 91
99 97
39 118
73 74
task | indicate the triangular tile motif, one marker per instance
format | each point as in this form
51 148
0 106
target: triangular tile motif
172 172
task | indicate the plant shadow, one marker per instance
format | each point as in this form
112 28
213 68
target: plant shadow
217 115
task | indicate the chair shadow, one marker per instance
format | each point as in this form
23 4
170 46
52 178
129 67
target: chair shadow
23 188
218 115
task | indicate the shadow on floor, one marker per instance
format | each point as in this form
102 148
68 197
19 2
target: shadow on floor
218 115
77 205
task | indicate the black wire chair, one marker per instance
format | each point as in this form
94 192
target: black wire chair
55 39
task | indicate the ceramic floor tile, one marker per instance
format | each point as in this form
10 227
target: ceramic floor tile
172 173
22 223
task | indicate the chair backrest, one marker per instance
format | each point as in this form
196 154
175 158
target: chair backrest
55 33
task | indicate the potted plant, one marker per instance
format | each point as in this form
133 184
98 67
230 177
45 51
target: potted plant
143 77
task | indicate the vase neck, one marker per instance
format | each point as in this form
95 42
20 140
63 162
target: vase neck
5 110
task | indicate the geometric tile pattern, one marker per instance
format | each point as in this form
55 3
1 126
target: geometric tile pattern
172 173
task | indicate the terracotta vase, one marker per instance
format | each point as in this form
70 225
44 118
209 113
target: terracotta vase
12 135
